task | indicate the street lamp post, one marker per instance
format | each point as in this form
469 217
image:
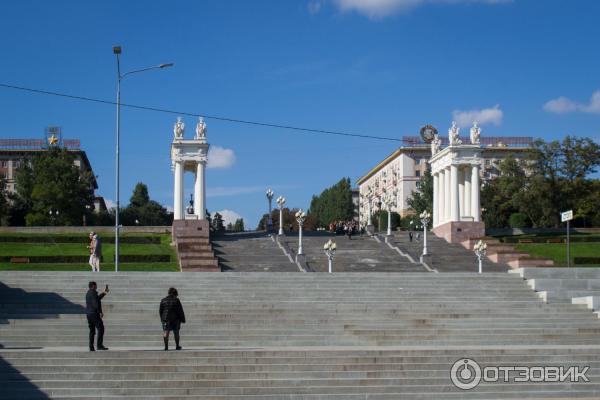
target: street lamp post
300 217
388 202
53 216
425 217
480 249
270 195
330 248
117 51
281 202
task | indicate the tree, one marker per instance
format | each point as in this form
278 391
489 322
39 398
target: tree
217 223
550 180
422 199
52 182
4 204
229 227
238 226
333 204
143 211
140 196
383 216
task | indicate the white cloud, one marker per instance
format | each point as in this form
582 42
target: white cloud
229 216
563 105
484 116
219 157
383 8
314 6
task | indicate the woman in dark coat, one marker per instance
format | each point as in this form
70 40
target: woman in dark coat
171 316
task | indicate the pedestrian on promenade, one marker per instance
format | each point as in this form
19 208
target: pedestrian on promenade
171 316
93 309
97 251
410 236
91 249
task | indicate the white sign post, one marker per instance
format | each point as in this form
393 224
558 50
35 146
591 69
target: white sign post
567 216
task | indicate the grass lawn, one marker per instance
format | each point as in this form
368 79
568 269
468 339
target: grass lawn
73 249
109 267
558 251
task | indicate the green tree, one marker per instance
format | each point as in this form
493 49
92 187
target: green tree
238 226
5 208
333 204
229 227
382 215
422 199
143 211
52 182
217 223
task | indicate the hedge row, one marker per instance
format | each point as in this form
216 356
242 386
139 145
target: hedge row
587 260
150 258
563 239
79 239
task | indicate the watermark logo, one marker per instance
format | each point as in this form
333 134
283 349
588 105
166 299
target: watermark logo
466 374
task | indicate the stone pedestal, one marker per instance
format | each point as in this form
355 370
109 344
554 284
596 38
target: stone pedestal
458 232
194 250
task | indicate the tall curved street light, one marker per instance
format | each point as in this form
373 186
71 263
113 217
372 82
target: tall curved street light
300 217
281 202
270 195
425 217
117 51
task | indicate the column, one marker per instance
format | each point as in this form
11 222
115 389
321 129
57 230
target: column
461 193
442 197
467 210
446 195
436 211
454 193
178 191
200 191
475 206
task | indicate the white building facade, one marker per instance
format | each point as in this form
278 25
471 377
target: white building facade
397 176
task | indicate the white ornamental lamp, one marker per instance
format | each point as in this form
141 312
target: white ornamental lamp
270 195
425 217
281 202
300 217
330 248
480 250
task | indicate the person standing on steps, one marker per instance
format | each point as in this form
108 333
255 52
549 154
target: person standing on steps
93 309
97 251
171 316
90 246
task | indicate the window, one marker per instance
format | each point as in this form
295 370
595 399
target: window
4 164
487 162
418 174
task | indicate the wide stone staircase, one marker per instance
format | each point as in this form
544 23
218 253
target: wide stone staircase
565 285
194 250
251 252
359 254
443 256
288 336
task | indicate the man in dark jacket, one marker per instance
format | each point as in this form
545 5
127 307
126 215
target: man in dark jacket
93 308
171 316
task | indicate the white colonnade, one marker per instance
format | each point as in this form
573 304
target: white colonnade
192 156
455 171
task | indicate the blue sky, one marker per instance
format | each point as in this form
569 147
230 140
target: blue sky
377 67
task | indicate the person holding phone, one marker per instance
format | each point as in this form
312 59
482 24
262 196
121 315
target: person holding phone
93 309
